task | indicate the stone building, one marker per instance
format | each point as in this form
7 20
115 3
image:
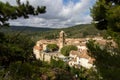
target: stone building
77 59
40 48
61 39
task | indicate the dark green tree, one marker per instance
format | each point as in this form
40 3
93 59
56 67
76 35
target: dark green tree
107 60
59 64
52 47
8 11
66 49
105 13
12 50
16 53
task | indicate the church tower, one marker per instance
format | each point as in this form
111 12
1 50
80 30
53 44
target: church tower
61 39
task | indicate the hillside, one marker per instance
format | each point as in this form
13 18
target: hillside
83 30
25 28
77 31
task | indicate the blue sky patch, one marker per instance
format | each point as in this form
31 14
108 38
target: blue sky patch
67 1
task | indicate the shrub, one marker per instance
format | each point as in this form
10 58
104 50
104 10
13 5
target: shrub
66 49
52 47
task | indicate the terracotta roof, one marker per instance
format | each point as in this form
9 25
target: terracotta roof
103 42
84 55
83 51
91 61
74 52
81 55
38 48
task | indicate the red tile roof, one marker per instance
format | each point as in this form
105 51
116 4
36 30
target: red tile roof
91 61
82 55
38 48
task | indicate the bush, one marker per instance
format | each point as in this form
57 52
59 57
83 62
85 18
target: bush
15 48
66 49
52 47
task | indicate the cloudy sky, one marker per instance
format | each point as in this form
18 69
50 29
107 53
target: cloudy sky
60 13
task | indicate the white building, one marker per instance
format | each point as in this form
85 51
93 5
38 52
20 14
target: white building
36 51
80 59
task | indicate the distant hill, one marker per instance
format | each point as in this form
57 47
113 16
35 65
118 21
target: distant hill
26 28
78 31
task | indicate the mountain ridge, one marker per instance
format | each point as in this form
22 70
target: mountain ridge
77 31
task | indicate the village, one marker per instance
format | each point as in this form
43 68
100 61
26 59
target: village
76 58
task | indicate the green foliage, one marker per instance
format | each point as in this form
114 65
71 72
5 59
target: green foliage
66 49
80 74
85 74
107 59
19 70
114 18
22 71
107 56
52 47
12 50
78 31
109 19
18 63
50 36
96 11
8 11
59 64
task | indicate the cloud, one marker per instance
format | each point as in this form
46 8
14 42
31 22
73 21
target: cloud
59 14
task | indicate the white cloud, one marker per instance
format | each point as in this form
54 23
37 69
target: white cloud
58 14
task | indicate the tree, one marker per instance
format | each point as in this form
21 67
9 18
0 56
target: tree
107 59
52 47
11 48
66 49
105 13
8 11
59 64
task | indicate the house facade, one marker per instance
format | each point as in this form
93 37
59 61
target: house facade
78 59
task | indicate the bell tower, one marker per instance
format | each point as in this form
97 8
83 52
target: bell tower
61 39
